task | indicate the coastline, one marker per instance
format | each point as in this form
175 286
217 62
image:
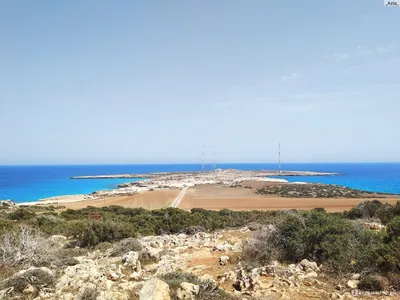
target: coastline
231 189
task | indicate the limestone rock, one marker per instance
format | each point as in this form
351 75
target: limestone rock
223 260
352 284
247 281
223 247
131 259
154 289
113 276
309 266
187 291
29 290
355 277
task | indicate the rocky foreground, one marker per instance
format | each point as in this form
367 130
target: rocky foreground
213 257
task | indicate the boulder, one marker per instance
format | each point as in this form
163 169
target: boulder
60 240
154 289
309 266
187 291
223 247
223 260
113 276
355 277
131 259
247 281
353 284
166 266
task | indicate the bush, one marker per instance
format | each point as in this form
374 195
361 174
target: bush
89 293
126 245
6 225
194 229
6 271
394 281
37 278
90 233
208 289
263 247
313 235
26 247
393 228
22 214
373 283
49 224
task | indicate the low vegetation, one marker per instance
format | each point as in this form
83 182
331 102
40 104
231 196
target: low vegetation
335 240
314 191
208 290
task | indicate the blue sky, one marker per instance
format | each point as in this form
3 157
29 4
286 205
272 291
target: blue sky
151 81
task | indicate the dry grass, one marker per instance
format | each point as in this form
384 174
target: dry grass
26 247
216 197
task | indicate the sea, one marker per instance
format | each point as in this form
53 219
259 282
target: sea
31 183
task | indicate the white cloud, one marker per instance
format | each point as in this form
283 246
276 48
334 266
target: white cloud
385 49
338 57
290 77
222 104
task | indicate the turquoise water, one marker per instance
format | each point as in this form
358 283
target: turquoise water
30 183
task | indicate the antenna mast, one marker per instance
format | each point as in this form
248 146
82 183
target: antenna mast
202 158
214 166
279 158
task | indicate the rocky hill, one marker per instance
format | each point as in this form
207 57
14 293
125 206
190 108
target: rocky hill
199 266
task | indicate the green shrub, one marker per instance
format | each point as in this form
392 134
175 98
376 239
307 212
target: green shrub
6 225
50 224
393 228
22 214
104 246
89 233
35 277
373 283
208 290
126 245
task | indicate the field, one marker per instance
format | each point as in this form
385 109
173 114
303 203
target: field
218 197
148 200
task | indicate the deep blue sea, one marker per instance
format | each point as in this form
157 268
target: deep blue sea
31 183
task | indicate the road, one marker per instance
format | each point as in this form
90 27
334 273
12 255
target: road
179 197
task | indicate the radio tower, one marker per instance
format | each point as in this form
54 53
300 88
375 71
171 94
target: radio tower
279 158
214 166
203 167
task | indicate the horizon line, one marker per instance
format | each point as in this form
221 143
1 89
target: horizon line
192 163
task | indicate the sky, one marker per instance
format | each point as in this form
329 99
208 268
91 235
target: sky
85 82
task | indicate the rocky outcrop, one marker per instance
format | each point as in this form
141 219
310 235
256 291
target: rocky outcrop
187 291
125 277
155 289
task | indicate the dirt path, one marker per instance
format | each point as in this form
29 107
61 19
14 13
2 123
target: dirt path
179 198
